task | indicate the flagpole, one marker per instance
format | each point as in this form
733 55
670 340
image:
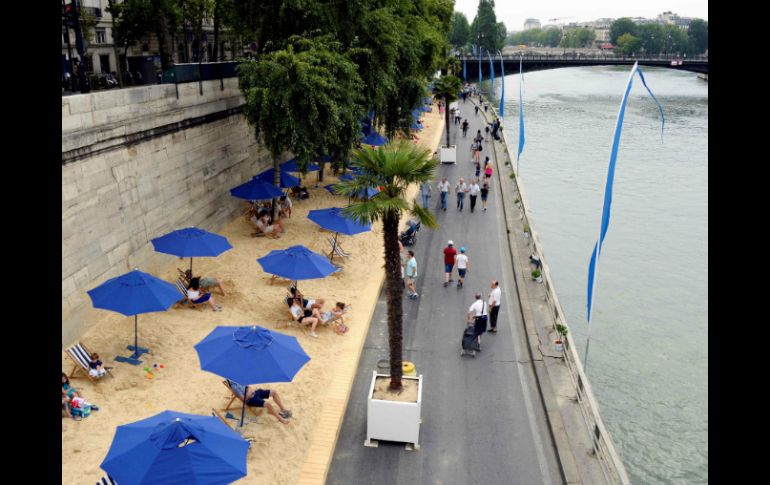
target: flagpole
521 113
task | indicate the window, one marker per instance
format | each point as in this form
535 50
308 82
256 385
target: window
101 36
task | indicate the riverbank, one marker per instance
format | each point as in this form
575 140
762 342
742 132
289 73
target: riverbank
282 454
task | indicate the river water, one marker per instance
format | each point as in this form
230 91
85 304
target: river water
648 360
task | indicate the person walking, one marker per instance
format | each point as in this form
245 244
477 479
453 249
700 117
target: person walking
488 171
486 129
484 195
461 260
461 188
473 192
411 275
478 168
478 314
494 305
465 128
425 191
443 188
476 148
449 261
477 110
478 138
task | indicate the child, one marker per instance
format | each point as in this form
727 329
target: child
478 168
96 367
72 397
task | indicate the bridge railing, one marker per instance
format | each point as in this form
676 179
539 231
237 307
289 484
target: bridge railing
597 57
603 447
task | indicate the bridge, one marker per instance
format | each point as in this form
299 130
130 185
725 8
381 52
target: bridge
699 64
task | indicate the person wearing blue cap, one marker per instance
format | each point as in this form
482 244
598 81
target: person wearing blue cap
461 260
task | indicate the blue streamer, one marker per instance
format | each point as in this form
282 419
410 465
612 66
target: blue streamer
606 210
492 73
464 78
502 89
521 111
480 75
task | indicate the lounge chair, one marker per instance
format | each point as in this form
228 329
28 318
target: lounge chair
185 300
292 321
234 427
336 249
106 480
236 390
79 354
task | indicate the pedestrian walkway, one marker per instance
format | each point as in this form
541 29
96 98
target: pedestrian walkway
482 419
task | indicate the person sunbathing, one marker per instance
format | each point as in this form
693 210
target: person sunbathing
335 315
258 398
195 297
305 316
317 304
206 282
71 397
274 229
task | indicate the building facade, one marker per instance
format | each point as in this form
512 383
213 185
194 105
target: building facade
531 24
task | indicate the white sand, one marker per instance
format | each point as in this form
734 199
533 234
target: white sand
182 386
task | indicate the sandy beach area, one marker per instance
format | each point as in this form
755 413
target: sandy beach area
279 451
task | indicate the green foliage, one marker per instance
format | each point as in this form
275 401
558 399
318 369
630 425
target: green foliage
561 329
651 38
305 99
536 273
674 39
621 26
460 33
577 38
485 30
548 37
628 44
698 35
447 88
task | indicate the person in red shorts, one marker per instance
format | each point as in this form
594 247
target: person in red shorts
449 262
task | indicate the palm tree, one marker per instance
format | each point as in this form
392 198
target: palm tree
447 88
393 167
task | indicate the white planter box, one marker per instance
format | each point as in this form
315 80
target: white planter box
448 154
393 420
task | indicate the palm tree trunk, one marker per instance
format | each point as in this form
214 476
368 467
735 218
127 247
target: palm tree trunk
276 182
394 292
446 121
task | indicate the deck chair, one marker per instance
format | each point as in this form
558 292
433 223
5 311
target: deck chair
183 290
234 427
336 249
292 322
106 480
236 390
81 356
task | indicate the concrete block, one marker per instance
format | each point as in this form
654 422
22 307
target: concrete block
65 108
69 192
80 103
108 99
72 123
137 96
68 286
119 254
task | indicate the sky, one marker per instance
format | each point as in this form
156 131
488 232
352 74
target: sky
514 13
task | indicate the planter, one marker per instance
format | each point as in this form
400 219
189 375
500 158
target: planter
558 345
448 153
393 420
539 279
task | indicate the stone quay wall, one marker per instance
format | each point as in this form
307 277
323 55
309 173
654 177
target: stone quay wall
138 163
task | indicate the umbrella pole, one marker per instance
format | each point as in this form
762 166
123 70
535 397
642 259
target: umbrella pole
191 267
136 337
243 409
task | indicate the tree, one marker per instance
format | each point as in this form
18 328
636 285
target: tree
460 32
447 88
132 21
621 26
577 38
698 35
484 29
674 39
550 37
651 38
305 99
394 167
628 44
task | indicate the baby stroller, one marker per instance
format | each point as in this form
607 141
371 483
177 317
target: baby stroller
470 343
409 237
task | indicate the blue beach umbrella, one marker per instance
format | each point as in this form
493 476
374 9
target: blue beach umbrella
417 126
191 242
330 188
374 139
256 190
368 193
296 263
176 448
335 220
346 177
251 355
131 294
425 108
287 180
291 166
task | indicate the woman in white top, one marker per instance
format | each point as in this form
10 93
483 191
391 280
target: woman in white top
273 230
195 296
461 261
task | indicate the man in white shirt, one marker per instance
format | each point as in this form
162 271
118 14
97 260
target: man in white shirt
494 305
478 312
461 260
473 191
443 188
461 188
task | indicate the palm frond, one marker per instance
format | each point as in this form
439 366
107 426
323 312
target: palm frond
425 216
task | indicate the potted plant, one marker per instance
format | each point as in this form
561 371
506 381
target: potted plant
561 330
446 89
537 276
394 401
526 231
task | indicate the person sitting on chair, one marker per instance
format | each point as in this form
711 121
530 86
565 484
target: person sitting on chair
273 229
195 297
206 282
307 304
258 397
300 192
305 316
335 315
96 367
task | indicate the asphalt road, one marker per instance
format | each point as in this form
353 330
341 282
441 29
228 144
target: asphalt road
483 422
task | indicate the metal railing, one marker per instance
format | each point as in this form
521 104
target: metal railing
603 448
596 57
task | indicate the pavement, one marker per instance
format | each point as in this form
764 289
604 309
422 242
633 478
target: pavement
482 418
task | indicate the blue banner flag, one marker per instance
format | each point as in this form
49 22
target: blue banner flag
502 82
521 111
491 73
464 78
480 76
595 255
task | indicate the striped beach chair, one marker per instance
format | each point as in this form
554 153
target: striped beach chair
106 480
81 356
